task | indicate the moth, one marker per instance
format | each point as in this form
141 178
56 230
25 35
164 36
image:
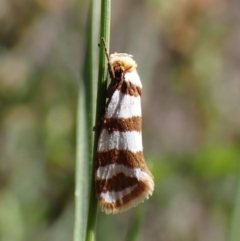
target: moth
122 177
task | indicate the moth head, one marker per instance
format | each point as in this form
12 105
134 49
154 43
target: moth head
122 63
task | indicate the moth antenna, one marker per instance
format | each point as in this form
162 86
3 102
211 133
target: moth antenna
110 69
105 49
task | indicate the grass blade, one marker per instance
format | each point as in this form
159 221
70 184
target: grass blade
101 98
234 229
85 123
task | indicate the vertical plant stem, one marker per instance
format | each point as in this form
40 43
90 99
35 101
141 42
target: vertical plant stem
85 122
235 228
134 226
101 98
81 189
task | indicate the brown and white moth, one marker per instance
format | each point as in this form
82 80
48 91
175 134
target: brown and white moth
122 177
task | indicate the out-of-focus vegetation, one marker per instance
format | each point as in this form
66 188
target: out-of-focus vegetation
188 59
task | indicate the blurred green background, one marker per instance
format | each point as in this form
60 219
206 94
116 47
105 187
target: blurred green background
188 60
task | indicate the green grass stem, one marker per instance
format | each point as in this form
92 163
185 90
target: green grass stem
85 122
235 224
101 99
134 227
